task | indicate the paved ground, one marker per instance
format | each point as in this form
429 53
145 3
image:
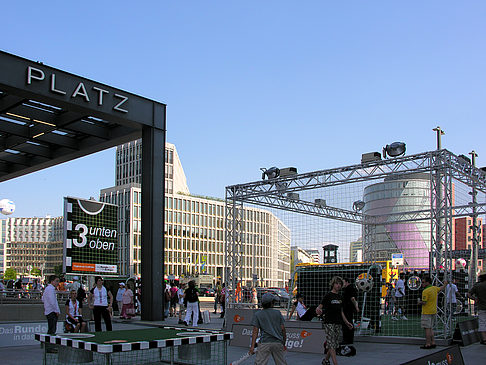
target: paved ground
368 353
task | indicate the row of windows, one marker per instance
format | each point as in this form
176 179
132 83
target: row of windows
194 219
194 206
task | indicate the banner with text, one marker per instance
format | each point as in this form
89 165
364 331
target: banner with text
90 237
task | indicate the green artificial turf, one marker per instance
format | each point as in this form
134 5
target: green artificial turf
136 335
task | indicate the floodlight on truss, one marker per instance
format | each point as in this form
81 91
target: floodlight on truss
321 203
358 205
293 196
270 173
394 150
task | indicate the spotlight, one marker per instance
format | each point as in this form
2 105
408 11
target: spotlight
274 172
394 150
358 205
270 173
321 203
293 196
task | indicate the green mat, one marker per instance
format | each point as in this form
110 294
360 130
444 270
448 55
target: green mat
138 335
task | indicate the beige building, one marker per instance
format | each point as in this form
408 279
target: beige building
194 226
29 243
299 256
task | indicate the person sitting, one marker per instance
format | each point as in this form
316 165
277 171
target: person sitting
74 317
304 313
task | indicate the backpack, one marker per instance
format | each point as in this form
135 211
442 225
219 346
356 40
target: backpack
167 296
191 295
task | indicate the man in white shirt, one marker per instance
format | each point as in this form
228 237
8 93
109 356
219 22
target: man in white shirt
451 294
400 298
51 306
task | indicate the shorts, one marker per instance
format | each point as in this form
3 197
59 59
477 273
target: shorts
482 320
427 320
333 334
73 323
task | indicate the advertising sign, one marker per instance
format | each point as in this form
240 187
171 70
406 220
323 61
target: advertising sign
22 333
90 237
397 259
466 332
449 356
299 339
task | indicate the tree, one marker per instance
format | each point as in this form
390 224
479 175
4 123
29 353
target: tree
35 271
58 270
10 274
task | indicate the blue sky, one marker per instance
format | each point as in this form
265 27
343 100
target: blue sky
255 84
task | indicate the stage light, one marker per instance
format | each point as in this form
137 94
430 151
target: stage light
394 150
358 205
321 203
293 196
270 173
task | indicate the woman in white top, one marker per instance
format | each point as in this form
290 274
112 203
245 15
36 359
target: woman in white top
74 315
254 298
98 298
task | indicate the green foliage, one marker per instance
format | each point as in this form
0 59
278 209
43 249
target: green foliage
58 270
10 274
35 271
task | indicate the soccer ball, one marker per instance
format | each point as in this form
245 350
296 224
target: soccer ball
460 263
7 207
364 284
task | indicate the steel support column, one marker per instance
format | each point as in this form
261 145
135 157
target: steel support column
153 208
235 228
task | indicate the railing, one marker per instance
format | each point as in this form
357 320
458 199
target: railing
21 296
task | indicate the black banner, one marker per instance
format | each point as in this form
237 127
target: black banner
449 356
466 332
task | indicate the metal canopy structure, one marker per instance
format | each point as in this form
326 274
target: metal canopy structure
48 116
442 168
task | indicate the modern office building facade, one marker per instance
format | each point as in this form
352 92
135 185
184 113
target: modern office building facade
194 226
356 250
299 256
28 243
316 258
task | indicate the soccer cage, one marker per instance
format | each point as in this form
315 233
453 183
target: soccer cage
421 210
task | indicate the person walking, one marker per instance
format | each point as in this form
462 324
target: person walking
389 299
191 298
119 297
350 307
173 299
451 294
101 301
128 306
254 298
51 306
270 323
180 297
400 299
478 294
332 308
222 299
217 296
429 310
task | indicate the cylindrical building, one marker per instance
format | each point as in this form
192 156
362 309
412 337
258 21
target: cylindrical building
400 194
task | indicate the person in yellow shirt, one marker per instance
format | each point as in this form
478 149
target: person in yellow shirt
429 310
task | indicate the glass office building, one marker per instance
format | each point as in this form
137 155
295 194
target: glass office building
194 226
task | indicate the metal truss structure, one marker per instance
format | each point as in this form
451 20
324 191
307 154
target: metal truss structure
442 167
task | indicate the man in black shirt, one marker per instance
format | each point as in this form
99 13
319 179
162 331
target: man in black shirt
331 306
350 306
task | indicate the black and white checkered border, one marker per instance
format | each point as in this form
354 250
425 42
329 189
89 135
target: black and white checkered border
212 336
